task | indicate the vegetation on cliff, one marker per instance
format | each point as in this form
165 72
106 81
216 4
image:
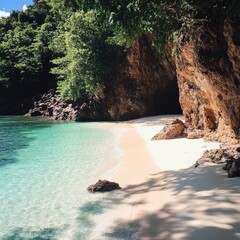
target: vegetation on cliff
206 39
163 19
61 41
72 45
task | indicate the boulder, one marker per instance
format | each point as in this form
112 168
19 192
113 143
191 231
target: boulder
103 186
233 168
221 155
230 155
52 106
174 129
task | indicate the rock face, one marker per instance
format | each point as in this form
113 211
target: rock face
208 72
174 129
103 186
144 84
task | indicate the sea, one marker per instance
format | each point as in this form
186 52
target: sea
45 169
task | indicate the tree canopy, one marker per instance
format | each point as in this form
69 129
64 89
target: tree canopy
70 44
161 18
53 42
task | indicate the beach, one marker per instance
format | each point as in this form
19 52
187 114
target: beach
163 195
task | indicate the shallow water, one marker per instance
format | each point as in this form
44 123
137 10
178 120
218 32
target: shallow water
45 168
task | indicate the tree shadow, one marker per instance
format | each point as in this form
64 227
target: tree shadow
27 234
14 136
203 205
89 211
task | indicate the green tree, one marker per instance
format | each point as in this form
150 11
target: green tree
84 59
160 18
25 57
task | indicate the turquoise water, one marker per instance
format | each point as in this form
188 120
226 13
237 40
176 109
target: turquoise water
45 168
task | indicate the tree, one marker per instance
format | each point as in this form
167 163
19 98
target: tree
25 55
83 61
160 18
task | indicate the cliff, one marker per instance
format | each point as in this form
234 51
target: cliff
144 83
208 72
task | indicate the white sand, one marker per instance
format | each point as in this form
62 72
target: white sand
164 197
172 154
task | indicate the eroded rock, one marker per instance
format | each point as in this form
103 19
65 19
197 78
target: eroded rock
220 155
51 105
230 155
172 130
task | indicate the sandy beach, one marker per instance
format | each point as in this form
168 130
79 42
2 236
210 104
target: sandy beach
164 196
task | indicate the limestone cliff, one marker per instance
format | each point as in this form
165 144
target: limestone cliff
208 72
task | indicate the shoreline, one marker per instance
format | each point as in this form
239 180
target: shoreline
163 196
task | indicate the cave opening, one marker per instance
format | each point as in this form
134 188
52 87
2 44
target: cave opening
166 100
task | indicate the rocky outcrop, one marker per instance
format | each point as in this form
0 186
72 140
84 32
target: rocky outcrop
51 105
208 72
103 186
230 155
220 155
172 130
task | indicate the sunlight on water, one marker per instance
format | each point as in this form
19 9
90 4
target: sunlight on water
45 168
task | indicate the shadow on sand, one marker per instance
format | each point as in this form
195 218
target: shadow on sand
204 204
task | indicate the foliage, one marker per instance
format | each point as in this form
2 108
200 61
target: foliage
52 41
161 18
78 68
82 66
58 40
25 56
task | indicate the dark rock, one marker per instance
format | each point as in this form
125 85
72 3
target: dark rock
103 186
234 168
226 154
34 113
221 155
52 106
228 164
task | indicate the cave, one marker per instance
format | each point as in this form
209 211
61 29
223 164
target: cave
166 100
